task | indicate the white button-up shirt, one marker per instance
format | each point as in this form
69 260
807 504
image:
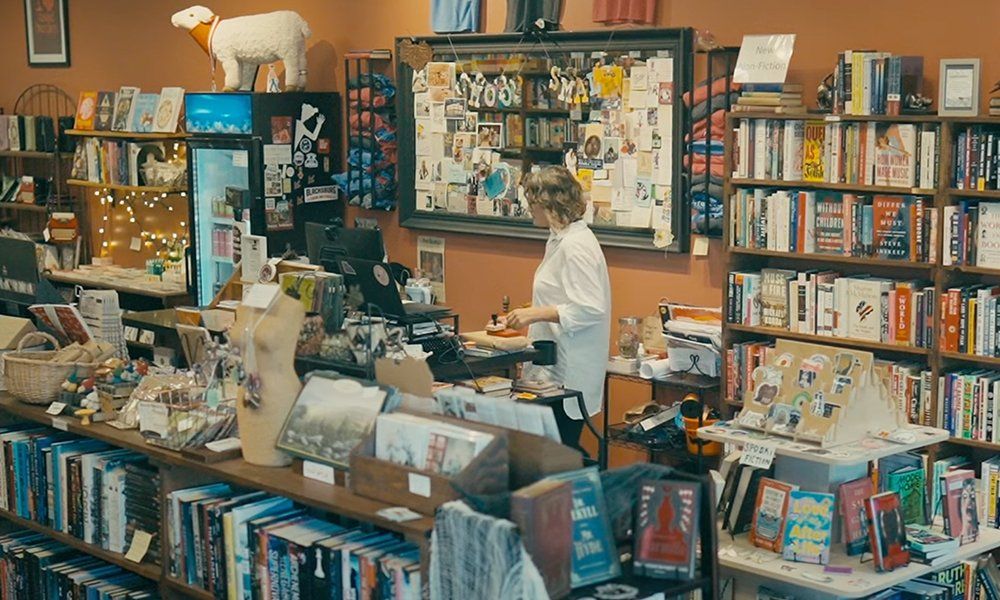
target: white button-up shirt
573 277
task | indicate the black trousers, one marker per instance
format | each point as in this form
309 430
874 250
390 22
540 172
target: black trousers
569 429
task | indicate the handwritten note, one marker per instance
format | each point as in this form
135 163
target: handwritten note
764 58
757 455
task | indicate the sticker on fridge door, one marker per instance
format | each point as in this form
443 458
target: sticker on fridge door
240 158
323 193
280 217
272 180
277 154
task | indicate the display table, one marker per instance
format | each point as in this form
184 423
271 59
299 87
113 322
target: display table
823 469
135 291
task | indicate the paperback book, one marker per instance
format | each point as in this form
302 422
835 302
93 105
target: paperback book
666 531
808 527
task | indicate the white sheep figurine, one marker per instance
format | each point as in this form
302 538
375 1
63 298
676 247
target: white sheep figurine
242 44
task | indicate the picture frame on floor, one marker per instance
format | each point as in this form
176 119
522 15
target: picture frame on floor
47 32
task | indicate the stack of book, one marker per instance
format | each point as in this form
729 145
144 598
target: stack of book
741 361
38 567
866 82
869 153
129 110
102 314
976 152
490 385
114 162
975 578
969 229
929 547
970 320
251 544
73 485
778 98
845 224
995 106
824 303
967 407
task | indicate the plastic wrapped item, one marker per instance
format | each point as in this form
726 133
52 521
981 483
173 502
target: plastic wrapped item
185 418
148 389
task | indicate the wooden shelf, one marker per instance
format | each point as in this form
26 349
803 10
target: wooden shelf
541 149
147 570
831 118
972 270
132 135
189 591
833 258
32 154
149 189
975 444
822 339
842 187
279 481
974 193
971 358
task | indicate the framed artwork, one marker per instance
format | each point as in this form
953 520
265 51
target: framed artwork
958 95
47 32
476 118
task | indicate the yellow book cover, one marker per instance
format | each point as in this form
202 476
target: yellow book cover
230 541
812 151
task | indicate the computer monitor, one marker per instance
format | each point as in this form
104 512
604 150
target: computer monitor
18 270
329 244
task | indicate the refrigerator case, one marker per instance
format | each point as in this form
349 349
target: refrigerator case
296 141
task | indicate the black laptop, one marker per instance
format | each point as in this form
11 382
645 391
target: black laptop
379 290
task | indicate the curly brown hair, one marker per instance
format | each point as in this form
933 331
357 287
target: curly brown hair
556 190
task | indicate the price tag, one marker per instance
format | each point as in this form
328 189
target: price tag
140 545
135 244
318 471
757 455
55 408
222 445
420 485
60 424
700 246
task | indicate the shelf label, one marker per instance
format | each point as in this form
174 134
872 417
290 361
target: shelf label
757 455
55 408
231 443
60 424
140 545
318 471
420 485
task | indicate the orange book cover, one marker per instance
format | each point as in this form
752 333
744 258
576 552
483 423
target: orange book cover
951 312
767 529
86 109
904 299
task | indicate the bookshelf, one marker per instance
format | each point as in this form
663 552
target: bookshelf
128 135
178 471
940 276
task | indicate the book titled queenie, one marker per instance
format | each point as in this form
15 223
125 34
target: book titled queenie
808 527
666 530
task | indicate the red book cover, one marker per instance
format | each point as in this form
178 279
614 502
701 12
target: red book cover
768 526
851 498
951 320
666 532
961 515
543 512
904 299
887 532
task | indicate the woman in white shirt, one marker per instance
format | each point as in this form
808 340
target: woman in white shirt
571 297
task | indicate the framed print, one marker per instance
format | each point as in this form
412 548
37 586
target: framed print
958 95
47 29
488 115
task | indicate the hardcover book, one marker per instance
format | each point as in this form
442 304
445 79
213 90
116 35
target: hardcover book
543 511
774 297
988 235
808 527
829 224
86 110
812 151
895 155
864 301
768 527
892 235
666 530
595 557
123 108
961 515
143 112
851 498
105 111
887 532
911 485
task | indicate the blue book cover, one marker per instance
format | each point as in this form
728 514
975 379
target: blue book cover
808 527
143 112
595 558
59 451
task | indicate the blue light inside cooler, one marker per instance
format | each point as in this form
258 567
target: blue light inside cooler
219 113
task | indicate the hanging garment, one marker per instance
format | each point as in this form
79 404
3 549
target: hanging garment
521 14
455 16
616 12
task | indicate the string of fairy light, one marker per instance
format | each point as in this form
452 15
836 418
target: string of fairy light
158 241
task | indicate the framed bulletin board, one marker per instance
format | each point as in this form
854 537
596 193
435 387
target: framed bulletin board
488 108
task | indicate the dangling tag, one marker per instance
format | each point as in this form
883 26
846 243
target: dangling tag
212 396
273 84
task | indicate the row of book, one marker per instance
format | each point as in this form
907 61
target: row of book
866 82
825 303
129 110
252 545
115 162
25 189
27 133
35 566
969 404
976 149
969 229
902 155
970 320
545 132
825 222
79 486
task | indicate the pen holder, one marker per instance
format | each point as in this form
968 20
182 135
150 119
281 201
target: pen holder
545 353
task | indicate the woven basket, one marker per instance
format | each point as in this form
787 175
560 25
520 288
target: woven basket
31 378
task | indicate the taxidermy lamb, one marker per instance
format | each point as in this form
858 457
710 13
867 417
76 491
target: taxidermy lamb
242 44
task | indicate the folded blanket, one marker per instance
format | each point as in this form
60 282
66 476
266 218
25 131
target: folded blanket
703 90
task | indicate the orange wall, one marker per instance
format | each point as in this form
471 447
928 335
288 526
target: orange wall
128 42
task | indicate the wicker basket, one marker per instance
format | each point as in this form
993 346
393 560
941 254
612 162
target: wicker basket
31 378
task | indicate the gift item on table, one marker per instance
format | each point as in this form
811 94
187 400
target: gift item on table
182 418
148 390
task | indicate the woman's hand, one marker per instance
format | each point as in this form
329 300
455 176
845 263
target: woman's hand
519 318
